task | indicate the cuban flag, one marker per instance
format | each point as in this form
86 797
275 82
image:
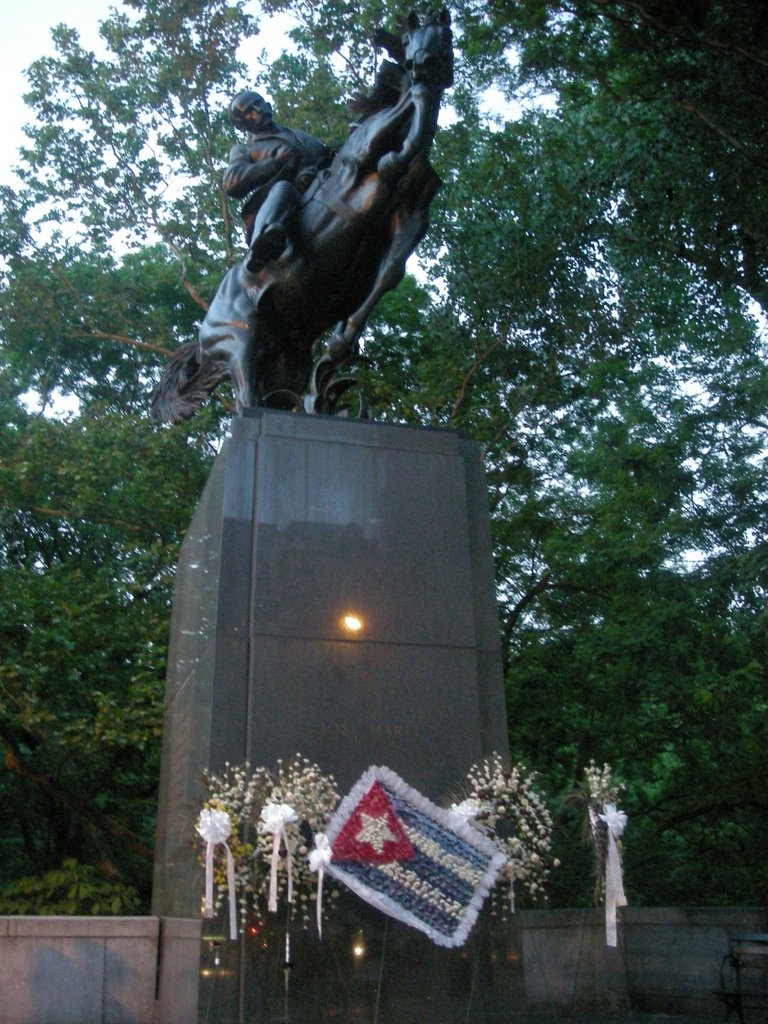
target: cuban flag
408 858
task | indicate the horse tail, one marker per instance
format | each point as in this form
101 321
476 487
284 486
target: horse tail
189 378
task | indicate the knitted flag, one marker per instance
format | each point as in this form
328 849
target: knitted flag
401 853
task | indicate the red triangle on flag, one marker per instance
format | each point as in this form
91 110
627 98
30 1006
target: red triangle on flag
372 834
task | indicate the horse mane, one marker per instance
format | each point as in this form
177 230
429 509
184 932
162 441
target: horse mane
387 89
393 44
441 17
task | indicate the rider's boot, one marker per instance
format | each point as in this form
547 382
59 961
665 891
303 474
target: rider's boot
268 245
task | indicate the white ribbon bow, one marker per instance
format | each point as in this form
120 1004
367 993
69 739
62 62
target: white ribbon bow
215 828
616 822
273 819
319 859
463 813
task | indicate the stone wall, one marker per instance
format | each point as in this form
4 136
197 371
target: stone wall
59 970
78 970
673 956
667 961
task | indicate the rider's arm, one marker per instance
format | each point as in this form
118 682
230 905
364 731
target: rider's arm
252 166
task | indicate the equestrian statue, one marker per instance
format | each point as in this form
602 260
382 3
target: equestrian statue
328 234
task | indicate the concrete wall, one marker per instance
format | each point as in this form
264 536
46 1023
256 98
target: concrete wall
566 962
78 970
75 970
667 961
673 956
178 978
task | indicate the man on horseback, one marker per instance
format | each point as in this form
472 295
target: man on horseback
273 168
365 216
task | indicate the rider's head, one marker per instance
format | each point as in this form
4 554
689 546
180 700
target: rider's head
250 112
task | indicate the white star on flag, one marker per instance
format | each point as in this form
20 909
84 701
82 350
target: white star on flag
375 832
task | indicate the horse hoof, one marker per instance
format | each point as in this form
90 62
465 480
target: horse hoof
338 348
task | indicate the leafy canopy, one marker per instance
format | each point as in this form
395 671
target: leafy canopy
589 306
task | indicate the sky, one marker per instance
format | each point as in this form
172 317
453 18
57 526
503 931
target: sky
26 36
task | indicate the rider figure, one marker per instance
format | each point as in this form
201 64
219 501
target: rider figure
273 169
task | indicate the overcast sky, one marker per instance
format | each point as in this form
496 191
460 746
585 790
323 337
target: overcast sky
26 36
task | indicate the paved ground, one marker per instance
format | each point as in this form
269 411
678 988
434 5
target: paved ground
529 1016
626 1017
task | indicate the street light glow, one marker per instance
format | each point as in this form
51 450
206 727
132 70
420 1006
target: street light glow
352 623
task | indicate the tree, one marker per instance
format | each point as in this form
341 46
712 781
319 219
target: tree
631 499
93 509
97 286
599 333
587 308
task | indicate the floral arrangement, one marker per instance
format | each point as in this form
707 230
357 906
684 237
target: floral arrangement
600 791
407 857
600 786
503 803
272 814
258 828
606 825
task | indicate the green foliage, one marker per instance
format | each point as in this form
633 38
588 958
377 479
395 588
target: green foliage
680 91
589 307
92 512
133 124
596 329
71 889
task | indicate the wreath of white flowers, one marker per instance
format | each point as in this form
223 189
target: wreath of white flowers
601 794
264 821
273 814
503 803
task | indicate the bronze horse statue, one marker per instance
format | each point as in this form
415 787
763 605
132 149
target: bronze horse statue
354 229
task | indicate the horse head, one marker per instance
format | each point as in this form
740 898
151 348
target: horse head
428 50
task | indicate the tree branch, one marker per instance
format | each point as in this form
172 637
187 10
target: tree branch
686 37
517 609
57 513
133 342
78 805
690 108
721 808
464 386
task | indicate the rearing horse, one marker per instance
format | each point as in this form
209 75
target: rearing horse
351 235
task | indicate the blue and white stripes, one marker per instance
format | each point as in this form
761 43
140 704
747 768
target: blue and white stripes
441 887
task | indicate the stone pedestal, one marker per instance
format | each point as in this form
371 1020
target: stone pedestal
306 520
